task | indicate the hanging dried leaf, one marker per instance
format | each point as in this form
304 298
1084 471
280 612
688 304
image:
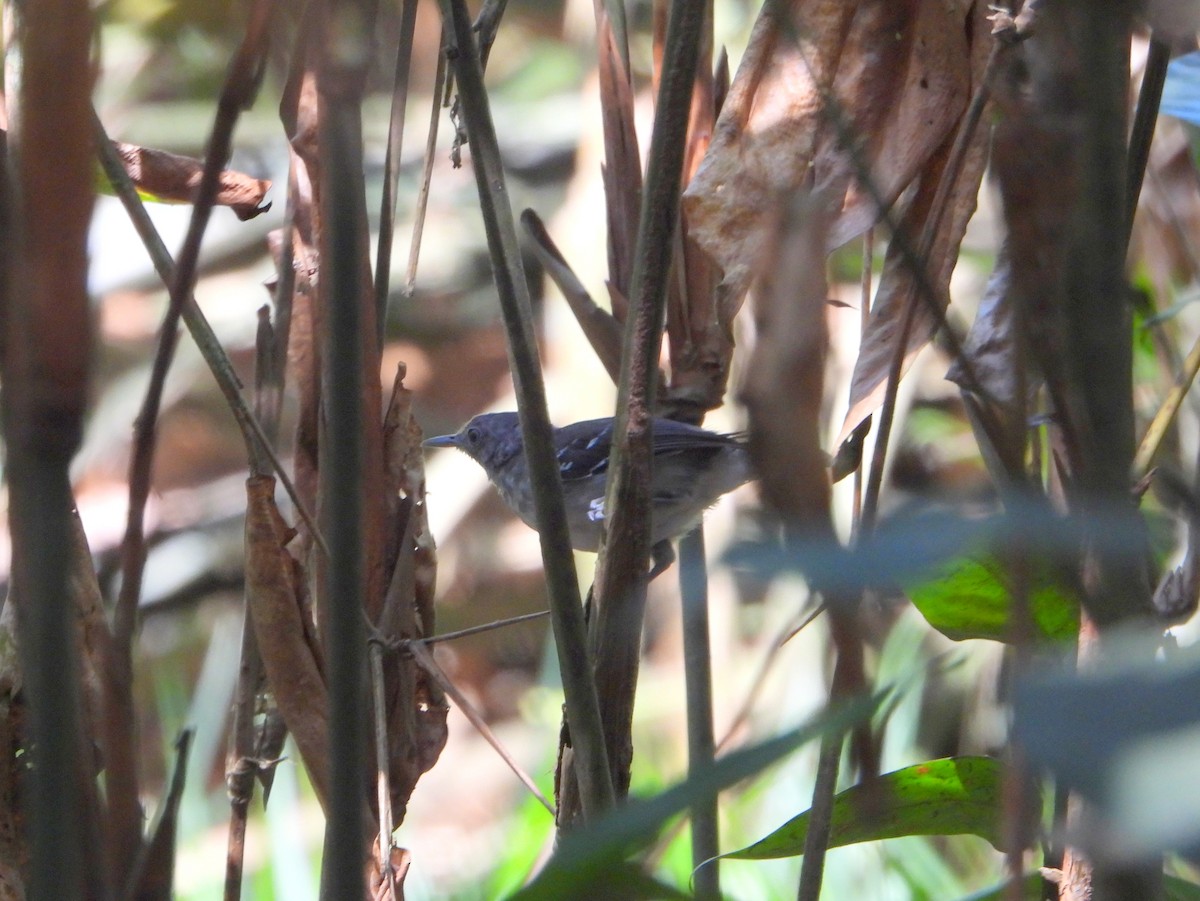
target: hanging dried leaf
170 177
404 460
1168 213
939 232
417 712
622 162
900 75
903 82
290 655
995 350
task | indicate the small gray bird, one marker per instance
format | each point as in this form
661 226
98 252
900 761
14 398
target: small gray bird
692 468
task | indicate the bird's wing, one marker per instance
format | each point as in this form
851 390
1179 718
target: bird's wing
671 436
583 449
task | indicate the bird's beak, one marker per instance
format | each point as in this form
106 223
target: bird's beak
441 441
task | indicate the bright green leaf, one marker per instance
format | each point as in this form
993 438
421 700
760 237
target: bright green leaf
588 859
969 597
952 796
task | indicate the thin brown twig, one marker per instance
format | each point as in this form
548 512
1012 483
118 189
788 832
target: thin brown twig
391 164
238 92
422 206
485 627
620 590
201 331
239 771
887 411
864 315
425 660
121 765
383 788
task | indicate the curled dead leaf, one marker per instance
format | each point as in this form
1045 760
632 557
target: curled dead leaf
290 655
169 177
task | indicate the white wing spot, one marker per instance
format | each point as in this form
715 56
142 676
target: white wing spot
593 443
596 510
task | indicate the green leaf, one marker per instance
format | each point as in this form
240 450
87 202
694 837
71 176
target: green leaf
969 597
952 796
588 859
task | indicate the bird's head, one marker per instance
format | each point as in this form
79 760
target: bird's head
490 439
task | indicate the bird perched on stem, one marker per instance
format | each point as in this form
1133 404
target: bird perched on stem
692 468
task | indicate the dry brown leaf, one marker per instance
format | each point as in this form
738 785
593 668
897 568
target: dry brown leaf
290 657
898 284
900 118
900 73
622 161
599 326
171 177
1168 215
990 343
404 460
417 712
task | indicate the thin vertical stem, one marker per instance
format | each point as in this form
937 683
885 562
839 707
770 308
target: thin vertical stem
621 583
44 218
697 672
342 472
566 610
391 166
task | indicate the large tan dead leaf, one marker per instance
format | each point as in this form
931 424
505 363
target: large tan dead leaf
289 654
940 231
900 74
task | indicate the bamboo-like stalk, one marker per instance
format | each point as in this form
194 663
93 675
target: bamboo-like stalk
566 611
620 589
346 36
697 673
46 354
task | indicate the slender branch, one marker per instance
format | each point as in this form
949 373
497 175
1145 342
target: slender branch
391 163
566 611
485 627
1144 121
343 475
198 326
621 581
816 840
238 92
239 769
383 789
425 660
414 249
697 672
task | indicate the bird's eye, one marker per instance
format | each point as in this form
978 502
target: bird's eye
472 435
